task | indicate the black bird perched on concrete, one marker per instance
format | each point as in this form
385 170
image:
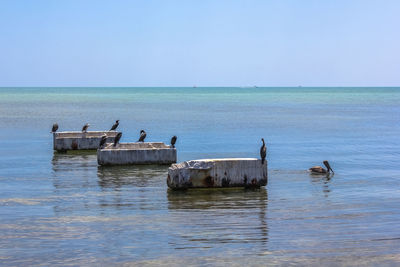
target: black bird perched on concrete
116 139
320 170
263 151
103 141
115 125
55 128
173 140
142 136
85 127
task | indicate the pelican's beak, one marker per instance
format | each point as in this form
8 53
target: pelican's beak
330 169
328 166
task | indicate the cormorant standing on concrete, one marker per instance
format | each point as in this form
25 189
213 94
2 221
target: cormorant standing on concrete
320 170
263 151
55 128
116 139
173 140
85 127
115 125
103 141
142 136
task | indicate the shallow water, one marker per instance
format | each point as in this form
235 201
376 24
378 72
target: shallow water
62 209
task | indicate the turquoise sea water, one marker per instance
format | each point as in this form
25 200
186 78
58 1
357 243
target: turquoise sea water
62 209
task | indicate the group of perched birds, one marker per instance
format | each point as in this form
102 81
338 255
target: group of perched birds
103 139
85 127
263 149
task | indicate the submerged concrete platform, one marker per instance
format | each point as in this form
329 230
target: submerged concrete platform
136 153
63 141
229 172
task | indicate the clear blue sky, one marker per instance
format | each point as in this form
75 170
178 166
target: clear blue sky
203 43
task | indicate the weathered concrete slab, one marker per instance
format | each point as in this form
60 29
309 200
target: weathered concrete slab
63 141
230 172
136 153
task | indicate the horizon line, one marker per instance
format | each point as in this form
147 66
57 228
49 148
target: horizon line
247 87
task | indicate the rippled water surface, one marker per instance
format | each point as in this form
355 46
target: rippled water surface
63 209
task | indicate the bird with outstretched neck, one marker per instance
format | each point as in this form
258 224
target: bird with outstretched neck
114 127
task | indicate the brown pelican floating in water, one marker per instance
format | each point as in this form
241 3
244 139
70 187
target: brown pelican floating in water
103 141
321 170
142 136
85 127
116 139
55 128
115 125
263 151
173 140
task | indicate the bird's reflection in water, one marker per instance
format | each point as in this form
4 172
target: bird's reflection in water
212 217
138 175
322 180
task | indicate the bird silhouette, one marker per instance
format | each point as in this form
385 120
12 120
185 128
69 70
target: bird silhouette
173 140
55 128
85 127
263 151
103 141
115 125
142 136
117 138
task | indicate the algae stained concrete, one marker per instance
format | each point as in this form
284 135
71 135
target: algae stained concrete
63 141
136 153
230 172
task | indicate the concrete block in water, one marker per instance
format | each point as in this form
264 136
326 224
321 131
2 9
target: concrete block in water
136 153
230 172
63 141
